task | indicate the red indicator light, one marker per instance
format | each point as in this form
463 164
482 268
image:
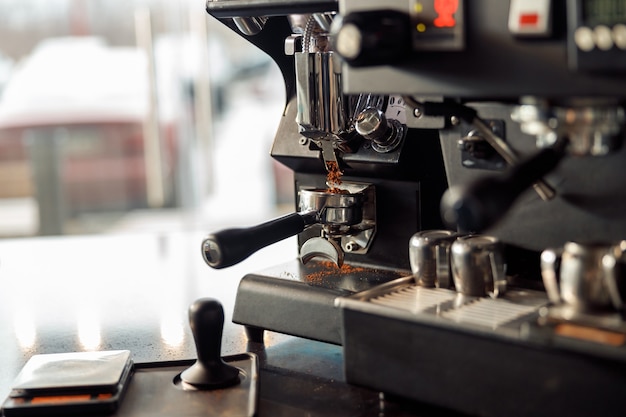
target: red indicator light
445 13
530 19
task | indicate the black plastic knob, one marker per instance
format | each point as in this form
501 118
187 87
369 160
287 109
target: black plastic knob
478 206
374 37
206 319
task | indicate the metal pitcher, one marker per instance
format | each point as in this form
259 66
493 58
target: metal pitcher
586 277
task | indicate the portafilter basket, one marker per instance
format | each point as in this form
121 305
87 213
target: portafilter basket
333 209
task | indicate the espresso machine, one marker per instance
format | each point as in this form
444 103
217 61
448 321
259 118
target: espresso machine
459 204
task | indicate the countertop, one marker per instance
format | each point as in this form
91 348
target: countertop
109 292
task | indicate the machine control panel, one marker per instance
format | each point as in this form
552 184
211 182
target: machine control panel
437 25
375 37
456 48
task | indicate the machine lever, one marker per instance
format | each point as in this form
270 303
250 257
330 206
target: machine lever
231 246
470 116
483 203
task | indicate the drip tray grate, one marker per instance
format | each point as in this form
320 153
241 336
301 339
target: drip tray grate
447 304
490 312
415 299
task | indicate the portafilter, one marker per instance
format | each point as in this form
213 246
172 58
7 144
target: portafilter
338 213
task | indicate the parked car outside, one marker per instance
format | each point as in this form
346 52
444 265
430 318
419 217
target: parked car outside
92 100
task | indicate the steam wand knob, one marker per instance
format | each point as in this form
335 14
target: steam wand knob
206 319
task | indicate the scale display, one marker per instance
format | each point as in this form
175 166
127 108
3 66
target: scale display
604 12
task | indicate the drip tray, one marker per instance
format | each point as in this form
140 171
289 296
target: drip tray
299 300
478 356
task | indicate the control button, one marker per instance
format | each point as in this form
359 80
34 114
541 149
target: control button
530 18
619 35
584 39
372 37
603 37
349 41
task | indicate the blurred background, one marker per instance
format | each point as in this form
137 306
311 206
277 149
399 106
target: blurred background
133 115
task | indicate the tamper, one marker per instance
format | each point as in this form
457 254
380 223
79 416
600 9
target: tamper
206 319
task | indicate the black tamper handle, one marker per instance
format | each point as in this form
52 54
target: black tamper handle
231 246
481 204
206 319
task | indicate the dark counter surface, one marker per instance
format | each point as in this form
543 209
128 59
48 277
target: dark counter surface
66 294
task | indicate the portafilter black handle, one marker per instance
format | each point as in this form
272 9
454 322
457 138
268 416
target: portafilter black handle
476 207
231 246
